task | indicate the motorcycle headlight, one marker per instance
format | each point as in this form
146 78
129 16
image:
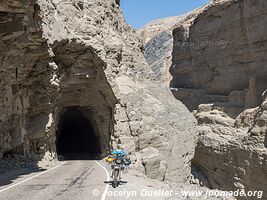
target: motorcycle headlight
118 161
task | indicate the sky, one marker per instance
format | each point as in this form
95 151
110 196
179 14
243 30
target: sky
140 12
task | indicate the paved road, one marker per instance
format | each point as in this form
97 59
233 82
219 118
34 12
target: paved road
71 180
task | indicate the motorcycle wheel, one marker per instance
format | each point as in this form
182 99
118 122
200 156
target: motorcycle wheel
115 179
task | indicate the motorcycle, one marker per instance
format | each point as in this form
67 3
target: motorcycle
117 167
118 164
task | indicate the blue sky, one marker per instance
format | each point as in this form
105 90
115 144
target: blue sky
140 12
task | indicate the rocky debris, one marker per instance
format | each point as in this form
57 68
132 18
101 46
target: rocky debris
246 118
83 54
16 162
209 114
167 190
200 193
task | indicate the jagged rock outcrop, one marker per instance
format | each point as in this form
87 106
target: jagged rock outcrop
57 55
233 154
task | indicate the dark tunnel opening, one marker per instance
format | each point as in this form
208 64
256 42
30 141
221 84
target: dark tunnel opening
76 138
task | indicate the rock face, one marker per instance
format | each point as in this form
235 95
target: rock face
150 120
158 44
156 27
158 55
219 73
220 57
231 153
216 56
57 56
157 38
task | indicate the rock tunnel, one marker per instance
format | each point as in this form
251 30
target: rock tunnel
76 137
85 118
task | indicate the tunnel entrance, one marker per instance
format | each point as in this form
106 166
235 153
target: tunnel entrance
76 137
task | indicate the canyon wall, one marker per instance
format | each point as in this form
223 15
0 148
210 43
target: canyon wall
60 55
158 44
220 58
219 69
219 72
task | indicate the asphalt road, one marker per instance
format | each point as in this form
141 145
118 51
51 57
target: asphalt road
71 180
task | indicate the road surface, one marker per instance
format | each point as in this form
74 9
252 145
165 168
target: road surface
71 180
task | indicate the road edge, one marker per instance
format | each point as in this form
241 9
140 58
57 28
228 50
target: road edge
30 178
104 195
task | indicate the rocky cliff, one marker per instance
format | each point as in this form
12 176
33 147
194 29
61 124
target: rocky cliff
158 44
218 55
232 152
221 59
59 58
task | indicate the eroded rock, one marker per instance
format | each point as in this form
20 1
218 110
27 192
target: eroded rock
82 55
217 64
